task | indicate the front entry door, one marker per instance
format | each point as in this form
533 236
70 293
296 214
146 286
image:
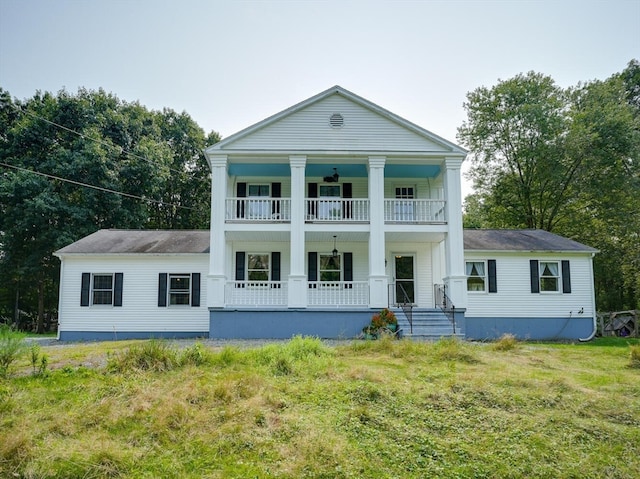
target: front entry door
405 282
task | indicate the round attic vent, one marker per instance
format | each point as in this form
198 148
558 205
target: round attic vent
336 120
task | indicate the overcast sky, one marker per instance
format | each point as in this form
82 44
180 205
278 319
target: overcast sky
230 64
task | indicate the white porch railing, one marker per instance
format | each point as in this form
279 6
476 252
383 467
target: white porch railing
414 211
339 293
258 209
337 209
256 293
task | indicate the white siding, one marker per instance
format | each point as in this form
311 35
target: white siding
514 297
139 311
309 129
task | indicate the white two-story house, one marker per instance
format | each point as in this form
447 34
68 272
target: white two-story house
322 215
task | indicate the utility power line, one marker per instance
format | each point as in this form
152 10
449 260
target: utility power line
96 140
99 188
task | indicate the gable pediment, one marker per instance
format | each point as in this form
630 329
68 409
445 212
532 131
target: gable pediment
335 120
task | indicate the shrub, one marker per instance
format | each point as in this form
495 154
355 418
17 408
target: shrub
153 355
38 363
195 355
383 322
507 342
634 356
12 345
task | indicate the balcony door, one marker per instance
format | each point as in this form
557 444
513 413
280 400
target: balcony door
404 206
259 201
330 205
405 279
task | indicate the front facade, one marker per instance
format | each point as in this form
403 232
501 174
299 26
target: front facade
333 173
321 215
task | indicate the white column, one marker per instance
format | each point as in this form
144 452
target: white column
216 280
297 288
378 279
455 276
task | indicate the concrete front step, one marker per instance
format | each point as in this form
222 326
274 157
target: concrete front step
427 324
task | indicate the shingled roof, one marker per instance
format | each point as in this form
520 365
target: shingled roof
113 241
521 240
140 241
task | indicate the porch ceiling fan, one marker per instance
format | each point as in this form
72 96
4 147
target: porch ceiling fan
333 178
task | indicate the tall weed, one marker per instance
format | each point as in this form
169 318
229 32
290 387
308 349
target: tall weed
507 342
453 349
153 355
12 346
634 356
284 358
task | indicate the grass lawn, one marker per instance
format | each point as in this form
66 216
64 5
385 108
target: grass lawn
374 409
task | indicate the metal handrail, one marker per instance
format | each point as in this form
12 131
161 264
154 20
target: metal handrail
445 304
406 305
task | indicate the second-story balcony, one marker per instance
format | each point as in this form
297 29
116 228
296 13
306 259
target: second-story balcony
258 210
334 210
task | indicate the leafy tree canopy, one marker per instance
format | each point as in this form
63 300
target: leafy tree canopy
52 145
563 160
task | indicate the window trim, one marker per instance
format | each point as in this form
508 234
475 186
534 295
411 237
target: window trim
558 277
485 277
247 271
95 290
340 270
182 291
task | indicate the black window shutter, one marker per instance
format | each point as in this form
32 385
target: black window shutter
566 277
493 283
348 266
347 192
117 289
195 289
241 192
275 266
312 192
84 289
162 290
276 192
535 279
240 265
313 266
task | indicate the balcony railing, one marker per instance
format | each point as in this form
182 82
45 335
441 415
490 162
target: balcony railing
414 211
256 293
258 209
338 209
338 294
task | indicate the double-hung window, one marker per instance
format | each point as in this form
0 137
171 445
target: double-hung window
330 268
179 289
476 276
258 267
549 276
102 289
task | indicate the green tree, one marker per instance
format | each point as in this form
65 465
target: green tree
565 161
89 138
